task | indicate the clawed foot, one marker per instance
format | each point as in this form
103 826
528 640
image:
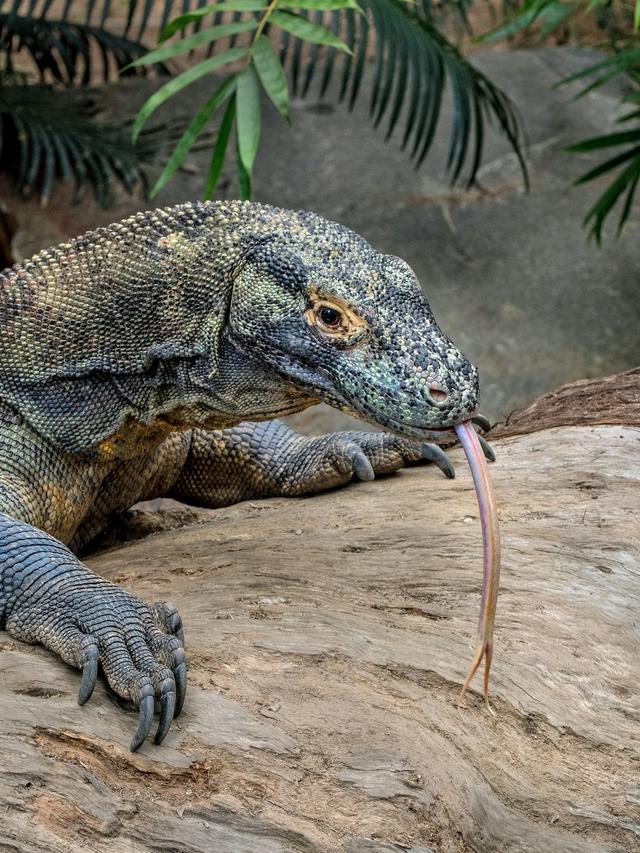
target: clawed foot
365 454
140 648
332 460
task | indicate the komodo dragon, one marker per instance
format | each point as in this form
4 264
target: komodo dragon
149 359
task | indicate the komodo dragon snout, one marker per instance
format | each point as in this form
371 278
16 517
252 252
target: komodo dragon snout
350 326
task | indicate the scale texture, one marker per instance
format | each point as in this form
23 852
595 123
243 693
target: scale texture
149 359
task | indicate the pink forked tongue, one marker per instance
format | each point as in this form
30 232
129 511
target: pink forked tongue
490 554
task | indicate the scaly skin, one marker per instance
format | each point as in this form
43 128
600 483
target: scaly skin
150 358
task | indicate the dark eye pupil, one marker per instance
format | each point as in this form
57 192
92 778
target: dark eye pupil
329 316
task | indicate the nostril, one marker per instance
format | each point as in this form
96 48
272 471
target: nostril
437 393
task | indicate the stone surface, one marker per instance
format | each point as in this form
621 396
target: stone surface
510 276
328 638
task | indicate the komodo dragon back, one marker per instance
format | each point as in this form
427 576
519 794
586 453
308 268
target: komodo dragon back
84 323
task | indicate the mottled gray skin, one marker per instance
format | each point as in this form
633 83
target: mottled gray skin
149 358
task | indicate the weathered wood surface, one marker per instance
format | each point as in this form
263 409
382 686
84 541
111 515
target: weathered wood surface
607 400
328 639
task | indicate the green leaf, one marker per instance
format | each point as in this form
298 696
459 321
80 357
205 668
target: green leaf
628 117
67 50
322 5
196 40
526 15
605 141
306 29
555 16
551 13
607 166
626 209
244 178
181 81
636 16
55 133
271 74
248 117
195 128
220 149
624 61
627 179
228 6
619 62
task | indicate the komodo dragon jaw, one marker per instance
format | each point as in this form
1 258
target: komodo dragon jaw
351 327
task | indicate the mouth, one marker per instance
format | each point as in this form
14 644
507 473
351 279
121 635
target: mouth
420 432
319 382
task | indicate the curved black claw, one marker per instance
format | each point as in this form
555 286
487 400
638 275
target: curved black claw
483 422
145 720
487 449
89 673
167 709
362 468
180 677
168 619
435 454
175 626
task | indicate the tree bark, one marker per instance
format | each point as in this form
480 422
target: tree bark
328 638
608 400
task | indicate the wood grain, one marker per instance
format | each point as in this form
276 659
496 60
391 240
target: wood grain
328 639
607 400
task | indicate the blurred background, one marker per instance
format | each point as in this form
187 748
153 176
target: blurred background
481 200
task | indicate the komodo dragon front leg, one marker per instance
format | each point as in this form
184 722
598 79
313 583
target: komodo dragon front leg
48 596
268 459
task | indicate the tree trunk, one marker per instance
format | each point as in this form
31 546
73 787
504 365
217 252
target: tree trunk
328 638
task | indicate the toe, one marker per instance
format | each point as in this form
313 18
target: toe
483 422
170 652
180 676
167 708
387 453
145 720
167 618
89 670
362 467
435 454
487 449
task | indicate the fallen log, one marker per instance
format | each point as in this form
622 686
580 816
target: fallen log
328 639
611 399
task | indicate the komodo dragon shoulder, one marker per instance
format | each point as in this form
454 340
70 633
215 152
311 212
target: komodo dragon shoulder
152 358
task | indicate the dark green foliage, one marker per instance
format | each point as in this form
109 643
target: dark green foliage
623 43
65 51
274 45
47 134
49 129
413 63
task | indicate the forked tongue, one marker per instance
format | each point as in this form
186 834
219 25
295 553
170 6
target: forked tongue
490 554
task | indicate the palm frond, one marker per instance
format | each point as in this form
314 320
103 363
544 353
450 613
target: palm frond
622 186
67 52
46 135
413 62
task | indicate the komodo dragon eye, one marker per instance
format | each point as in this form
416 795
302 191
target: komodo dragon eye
329 316
336 320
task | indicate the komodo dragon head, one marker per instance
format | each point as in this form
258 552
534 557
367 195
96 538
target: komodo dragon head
351 327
